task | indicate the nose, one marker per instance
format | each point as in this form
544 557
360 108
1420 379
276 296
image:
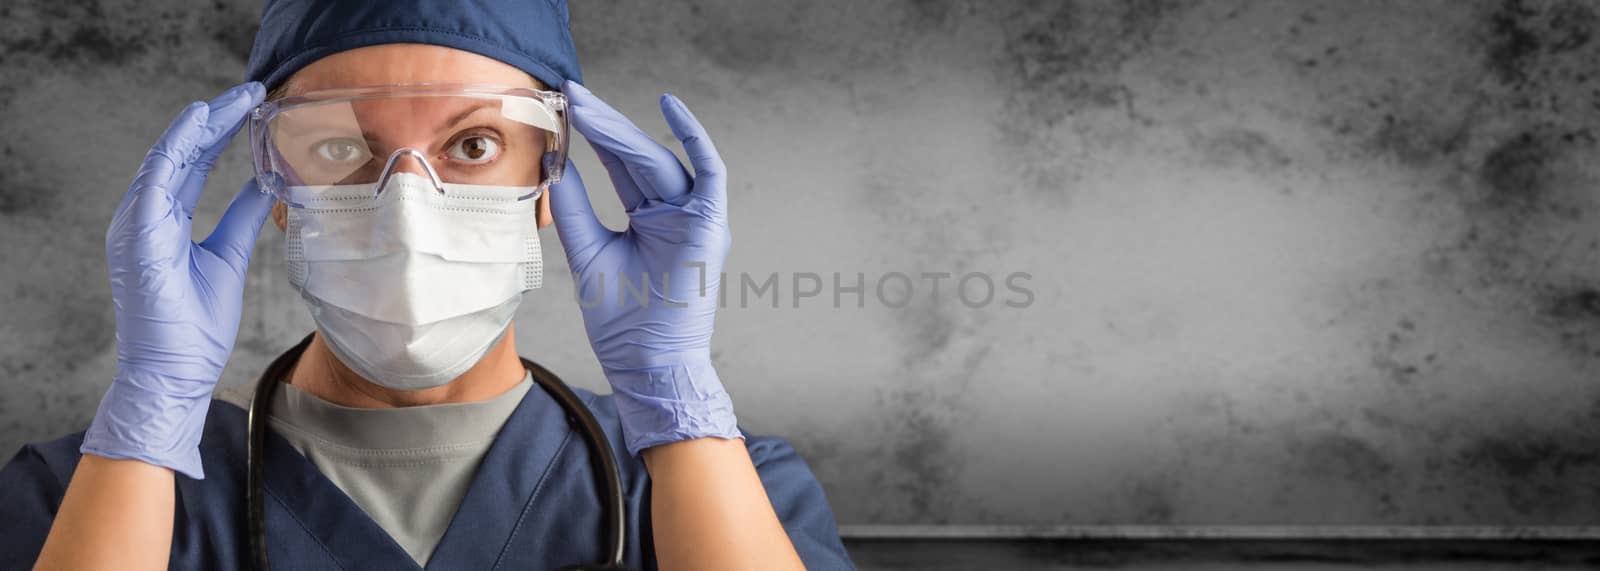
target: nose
408 160
410 163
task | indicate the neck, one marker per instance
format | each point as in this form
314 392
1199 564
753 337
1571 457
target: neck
320 373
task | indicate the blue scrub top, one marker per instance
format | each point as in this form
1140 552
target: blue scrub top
531 505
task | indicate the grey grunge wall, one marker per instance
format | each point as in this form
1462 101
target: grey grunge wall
1311 262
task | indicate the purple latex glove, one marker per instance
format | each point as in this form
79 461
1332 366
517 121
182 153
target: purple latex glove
649 294
177 302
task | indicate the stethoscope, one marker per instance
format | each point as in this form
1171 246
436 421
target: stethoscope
605 465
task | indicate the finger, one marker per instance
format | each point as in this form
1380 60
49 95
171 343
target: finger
629 192
623 178
150 226
576 223
653 167
161 164
709 171
235 236
226 114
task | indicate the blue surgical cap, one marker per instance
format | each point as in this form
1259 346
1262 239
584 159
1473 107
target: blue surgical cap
531 35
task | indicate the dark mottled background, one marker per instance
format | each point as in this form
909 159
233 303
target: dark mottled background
1294 262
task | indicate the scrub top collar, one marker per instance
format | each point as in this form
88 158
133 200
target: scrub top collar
505 488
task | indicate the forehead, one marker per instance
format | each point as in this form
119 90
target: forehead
404 63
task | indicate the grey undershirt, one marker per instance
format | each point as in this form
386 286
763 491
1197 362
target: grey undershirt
406 467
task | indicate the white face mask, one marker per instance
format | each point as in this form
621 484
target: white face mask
412 288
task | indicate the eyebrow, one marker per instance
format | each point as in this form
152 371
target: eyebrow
287 122
372 138
462 116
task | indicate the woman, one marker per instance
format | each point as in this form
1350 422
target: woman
410 152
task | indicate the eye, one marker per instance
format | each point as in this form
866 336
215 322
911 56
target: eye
475 149
341 150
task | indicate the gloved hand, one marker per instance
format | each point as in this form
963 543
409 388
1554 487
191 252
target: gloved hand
649 294
177 302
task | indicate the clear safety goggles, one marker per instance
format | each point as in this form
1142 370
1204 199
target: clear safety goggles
457 136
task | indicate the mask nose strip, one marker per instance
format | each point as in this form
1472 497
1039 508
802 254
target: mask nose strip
394 159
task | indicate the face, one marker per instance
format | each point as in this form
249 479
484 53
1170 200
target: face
470 143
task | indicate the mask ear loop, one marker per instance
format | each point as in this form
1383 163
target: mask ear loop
388 170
